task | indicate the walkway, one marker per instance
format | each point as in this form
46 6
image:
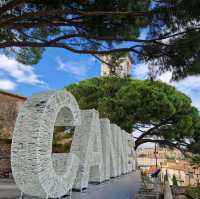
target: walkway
123 187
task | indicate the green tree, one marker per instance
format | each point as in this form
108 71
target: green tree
85 27
178 53
105 26
152 107
174 180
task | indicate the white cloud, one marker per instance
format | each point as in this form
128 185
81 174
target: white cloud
196 102
140 71
77 69
165 77
191 87
189 84
21 73
7 85
92 59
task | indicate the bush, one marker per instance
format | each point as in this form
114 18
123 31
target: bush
193 193
5 141
174 180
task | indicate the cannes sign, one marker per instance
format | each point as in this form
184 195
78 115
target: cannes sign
99 150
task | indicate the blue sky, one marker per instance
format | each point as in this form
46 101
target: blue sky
56 69
59 68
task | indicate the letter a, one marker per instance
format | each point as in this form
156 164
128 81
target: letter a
87 146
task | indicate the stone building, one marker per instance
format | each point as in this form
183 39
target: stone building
161 153
185 173
170 161
9 107
146 157
122 67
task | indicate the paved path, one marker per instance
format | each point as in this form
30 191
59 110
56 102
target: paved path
123 187
8 189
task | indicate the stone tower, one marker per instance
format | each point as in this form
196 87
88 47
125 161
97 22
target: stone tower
121 69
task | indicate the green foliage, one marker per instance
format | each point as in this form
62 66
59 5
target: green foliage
29 56
106 26
30 26
181 54
61 148
68 135
5 141
174 180
193 193
195 159
140 103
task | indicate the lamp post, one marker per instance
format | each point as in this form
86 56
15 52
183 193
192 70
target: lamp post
155 152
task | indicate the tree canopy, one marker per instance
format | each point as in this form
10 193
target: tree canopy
97 27
157 110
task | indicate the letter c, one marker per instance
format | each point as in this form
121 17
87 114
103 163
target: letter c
33 164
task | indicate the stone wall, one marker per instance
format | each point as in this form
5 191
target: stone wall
10 105
5 167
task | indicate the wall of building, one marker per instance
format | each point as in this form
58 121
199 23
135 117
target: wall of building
10 105
147 162
161 153
9 108
122 70
5 168
182 175
169 161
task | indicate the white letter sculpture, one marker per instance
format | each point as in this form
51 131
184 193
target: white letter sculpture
87 146
31 155
99 150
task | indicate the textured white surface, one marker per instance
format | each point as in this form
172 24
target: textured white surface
122 152
118 148
114 129
107 151
99 150
88 147
131 153
31 152
125 148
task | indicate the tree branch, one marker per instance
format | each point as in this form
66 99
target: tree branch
163 122
139 130
161 142
10 5
148 132
64 46
58 12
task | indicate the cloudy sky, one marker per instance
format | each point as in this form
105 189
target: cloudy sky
59 68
